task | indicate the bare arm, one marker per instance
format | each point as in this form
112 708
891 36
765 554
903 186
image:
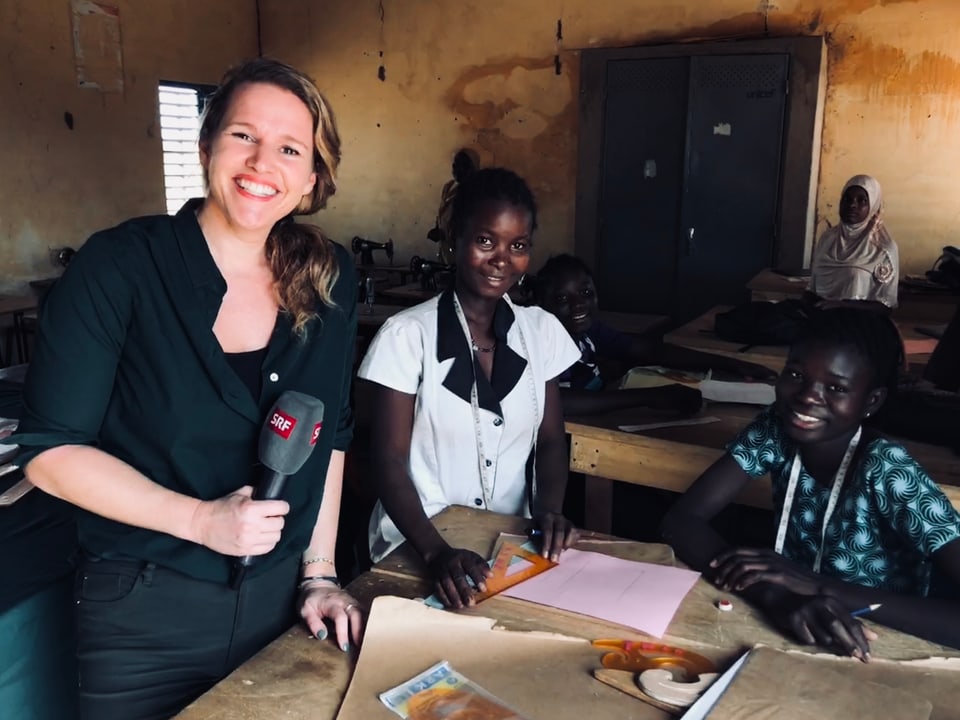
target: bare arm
321 600
323 541
933 619
686 526
558 533
393 428
778 585
810 618
551 455
100 483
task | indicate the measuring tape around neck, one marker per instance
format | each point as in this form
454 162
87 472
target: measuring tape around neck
831 501
486 484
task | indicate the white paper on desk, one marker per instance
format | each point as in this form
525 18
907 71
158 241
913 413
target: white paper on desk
640 595
750 393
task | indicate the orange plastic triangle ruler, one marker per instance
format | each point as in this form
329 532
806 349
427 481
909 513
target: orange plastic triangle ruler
501 580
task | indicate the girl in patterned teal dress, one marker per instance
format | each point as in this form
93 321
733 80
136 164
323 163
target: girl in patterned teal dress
859 522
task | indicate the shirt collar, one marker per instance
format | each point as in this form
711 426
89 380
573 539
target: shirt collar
452 342
193 246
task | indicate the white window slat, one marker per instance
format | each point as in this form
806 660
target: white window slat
179 125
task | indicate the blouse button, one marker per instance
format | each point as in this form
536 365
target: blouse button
478 502
497 422
274 377
489 462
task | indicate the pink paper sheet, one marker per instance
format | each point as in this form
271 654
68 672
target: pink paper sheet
920 347
640 595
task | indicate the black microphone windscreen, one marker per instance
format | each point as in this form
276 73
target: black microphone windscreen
290 432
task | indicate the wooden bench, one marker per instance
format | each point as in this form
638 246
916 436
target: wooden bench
672 458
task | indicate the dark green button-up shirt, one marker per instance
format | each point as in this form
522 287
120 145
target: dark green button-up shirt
126 360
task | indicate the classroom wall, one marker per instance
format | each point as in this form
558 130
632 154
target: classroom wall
481 73
59 184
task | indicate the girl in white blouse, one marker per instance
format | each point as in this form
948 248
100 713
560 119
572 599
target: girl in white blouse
468 406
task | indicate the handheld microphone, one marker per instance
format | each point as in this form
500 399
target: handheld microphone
287 439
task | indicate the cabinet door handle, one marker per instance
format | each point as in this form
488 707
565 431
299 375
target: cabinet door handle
691 248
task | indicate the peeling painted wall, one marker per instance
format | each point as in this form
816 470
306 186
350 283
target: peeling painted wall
481 73
456 72
60 184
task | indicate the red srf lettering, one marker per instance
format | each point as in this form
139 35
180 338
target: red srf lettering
316 433
282 424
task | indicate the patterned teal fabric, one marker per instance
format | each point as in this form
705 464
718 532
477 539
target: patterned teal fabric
890 518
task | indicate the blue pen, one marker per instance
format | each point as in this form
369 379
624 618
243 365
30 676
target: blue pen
866 610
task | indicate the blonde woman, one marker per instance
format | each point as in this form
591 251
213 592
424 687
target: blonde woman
159 353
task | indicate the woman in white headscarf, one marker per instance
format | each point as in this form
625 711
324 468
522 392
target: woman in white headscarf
857 260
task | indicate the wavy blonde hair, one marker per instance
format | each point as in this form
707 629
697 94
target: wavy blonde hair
302 258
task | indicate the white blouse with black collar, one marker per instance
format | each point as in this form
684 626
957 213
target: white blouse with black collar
425 351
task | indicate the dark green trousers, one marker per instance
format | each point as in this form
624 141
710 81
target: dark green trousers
38 668
151 640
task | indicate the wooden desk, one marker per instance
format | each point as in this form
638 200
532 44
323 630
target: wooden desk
299 678
672 458
698 334
915 304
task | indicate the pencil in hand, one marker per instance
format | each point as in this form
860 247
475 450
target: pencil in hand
866 610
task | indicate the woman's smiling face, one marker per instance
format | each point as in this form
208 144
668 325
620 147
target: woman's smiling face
493 251
259 164
824 392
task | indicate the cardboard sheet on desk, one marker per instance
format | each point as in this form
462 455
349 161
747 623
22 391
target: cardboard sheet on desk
540 675
639 595
799 686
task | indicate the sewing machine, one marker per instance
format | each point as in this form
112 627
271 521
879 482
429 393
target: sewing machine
364 248
427 271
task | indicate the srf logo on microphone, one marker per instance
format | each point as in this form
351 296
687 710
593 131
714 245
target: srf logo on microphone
282 424
316 433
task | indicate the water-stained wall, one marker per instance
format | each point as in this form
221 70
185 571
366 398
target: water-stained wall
497 75
77 159
502 76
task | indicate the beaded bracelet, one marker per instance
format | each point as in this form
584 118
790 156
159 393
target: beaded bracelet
317 559
332 579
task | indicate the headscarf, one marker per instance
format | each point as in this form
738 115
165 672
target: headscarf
874 195
857 261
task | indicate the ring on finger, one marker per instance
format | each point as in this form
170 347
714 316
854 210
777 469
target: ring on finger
348 607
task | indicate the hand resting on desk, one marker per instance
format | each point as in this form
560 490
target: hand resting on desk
793 597
736 569
557 534
322 601
458 573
